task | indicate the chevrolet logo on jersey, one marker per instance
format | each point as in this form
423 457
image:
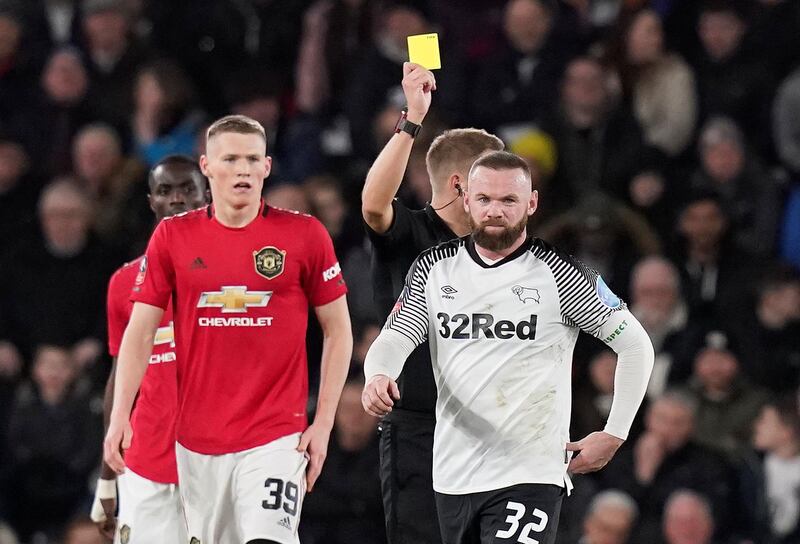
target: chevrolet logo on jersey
234 299
165 335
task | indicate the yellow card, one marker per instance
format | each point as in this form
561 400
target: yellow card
423 49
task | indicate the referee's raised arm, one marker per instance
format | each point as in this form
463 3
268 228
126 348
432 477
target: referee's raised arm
386 174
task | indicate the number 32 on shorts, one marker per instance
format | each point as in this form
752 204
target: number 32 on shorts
518 512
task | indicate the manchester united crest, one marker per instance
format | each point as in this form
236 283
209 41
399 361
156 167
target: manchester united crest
125 534
269 261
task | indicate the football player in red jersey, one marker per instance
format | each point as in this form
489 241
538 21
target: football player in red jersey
150 507
241 276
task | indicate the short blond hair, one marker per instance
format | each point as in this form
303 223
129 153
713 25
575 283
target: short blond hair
240 124
455 150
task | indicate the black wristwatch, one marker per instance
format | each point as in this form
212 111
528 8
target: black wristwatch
404 125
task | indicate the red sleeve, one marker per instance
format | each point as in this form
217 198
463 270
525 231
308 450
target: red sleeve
322 279
116 310
155 279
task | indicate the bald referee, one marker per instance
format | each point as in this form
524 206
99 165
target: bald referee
502 312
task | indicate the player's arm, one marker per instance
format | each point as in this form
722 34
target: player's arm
405 329
134 354
626 336
386 173
337 348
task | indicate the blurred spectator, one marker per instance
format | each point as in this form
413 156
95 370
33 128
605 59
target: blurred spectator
665 459
364 334
60 109
600 145
657 303
750 196
610 519
165 118
7 536
375 83
334 33
786 135
17 72
53 438
114 58
777 435
519 83
18 192
329 206
592 401
688 519
54 285
115 182
606 236
346 504
775 35
659 85
732 81
288 197
727 404
82 530
770 335
717 276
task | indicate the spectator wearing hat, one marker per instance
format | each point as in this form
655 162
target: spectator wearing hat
727 403
750 196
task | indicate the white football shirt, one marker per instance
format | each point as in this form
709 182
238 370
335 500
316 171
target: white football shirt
501 338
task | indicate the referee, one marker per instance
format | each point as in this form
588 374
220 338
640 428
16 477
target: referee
399 235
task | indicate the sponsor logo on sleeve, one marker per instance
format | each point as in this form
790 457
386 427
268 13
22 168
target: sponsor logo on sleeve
142 271
606 295
332 272
621 327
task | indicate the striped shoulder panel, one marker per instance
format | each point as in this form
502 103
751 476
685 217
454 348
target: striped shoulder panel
577 288
410 314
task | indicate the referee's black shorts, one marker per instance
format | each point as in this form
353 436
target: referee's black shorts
406 452
525 513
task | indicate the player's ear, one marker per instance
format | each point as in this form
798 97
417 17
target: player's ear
534 202
267 166
204 165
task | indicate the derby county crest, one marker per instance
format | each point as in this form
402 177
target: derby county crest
269 261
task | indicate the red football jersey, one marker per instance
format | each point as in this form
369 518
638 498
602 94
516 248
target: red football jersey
241 299
152 451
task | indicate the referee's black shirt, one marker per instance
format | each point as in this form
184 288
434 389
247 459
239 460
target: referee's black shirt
411 233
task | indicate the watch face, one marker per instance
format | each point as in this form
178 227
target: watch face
400 122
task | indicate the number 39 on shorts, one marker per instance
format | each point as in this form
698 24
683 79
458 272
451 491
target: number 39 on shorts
514 520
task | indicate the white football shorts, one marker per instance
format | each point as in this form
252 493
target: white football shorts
148 511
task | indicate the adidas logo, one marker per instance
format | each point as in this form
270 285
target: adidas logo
286 523
198 264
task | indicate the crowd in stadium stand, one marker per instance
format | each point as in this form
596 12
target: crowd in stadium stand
665 141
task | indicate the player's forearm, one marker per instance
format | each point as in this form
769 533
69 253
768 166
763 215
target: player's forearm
337 349
106 472
134 354
383 181
388 354
626 336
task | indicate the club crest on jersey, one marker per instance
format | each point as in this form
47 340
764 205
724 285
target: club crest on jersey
194 540
269 261
526 293
125 534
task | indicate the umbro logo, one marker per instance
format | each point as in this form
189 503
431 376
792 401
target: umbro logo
286 523
449 291
198 264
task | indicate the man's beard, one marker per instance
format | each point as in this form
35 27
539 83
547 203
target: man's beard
496 241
